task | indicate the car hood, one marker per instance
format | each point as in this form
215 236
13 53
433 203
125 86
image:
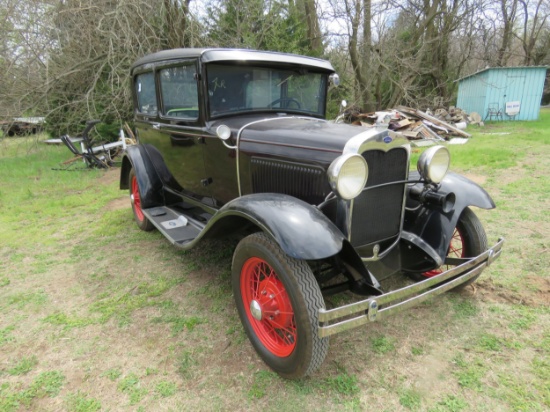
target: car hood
293 132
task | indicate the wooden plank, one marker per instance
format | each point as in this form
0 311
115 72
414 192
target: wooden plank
402 123
411 134
429 133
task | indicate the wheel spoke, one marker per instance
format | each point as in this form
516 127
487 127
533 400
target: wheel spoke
456 250
255 283
136 199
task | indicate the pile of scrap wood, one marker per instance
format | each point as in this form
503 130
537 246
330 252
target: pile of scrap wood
20 126
418 125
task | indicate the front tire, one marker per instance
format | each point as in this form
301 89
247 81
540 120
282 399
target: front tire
135 197
278 299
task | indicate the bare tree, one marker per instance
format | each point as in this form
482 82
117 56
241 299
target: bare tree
81 52
508 11
535 32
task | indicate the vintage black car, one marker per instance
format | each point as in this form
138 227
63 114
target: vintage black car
236 142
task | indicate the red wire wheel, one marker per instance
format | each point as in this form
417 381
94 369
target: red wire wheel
278 300
137 203
136 200
268 307
468 240
457 249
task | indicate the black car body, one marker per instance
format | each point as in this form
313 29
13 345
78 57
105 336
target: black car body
236 141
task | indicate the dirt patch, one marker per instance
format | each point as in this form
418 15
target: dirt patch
429 374
118 204
539 295
110 177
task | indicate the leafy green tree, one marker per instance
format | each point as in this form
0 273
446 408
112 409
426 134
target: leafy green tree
256 24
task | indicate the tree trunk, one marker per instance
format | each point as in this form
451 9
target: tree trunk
176 12
313 28
509 19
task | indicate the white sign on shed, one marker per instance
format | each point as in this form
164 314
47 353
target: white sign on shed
512 108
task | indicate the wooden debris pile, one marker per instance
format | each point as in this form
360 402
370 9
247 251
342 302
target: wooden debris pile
417 125
20 126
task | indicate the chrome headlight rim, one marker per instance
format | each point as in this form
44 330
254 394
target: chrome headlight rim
434 163
344 185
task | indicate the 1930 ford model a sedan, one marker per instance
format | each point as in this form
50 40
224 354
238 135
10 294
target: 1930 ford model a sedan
235 141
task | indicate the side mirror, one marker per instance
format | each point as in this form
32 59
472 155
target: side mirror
334 79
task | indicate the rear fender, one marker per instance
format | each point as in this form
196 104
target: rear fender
150 185
436 227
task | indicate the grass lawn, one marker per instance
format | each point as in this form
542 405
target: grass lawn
97 315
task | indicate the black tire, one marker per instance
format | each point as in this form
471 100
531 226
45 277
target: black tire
135 198
469 240
284 326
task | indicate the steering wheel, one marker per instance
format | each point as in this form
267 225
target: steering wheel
284 102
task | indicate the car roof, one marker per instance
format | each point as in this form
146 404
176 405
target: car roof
208 55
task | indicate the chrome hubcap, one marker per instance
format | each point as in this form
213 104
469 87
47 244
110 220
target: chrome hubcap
256 310
132 198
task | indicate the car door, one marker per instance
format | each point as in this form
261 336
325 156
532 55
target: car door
175 133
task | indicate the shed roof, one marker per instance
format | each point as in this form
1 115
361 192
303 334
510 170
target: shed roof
501 68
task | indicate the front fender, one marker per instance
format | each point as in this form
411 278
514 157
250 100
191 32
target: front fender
436 227
467 192
301 230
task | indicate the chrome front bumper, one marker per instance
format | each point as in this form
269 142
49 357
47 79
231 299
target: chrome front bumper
378 307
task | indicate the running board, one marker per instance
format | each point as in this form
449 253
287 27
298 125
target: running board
177 227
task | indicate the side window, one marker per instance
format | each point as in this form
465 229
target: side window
146 93
179 92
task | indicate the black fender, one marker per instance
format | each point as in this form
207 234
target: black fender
301 230
150 184
436 227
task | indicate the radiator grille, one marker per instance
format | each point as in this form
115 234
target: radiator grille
377 212
307 183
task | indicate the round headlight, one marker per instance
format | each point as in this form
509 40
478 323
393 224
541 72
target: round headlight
347 175
434 163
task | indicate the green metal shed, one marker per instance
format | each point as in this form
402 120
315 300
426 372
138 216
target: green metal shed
503 93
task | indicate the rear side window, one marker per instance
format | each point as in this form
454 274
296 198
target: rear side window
179 92
146 93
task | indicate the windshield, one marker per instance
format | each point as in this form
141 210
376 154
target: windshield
244 88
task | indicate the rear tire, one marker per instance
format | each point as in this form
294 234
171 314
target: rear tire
278 299
135 198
